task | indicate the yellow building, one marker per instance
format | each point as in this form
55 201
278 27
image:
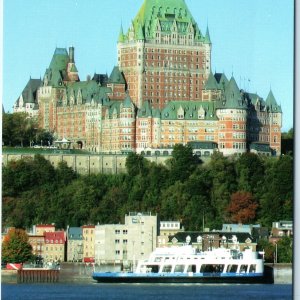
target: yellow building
88 235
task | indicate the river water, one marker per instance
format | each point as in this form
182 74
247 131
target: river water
97 291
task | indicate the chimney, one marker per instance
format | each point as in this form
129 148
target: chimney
71 54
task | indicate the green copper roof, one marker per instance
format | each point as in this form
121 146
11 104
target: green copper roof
88 90
156 113
127 103
260 147
233 97
114 108
145 110
253 97
57 70
116 76
121 35
59 60
272 104
211 83
190 110
140 33
207 37
169 13
221 80
29 92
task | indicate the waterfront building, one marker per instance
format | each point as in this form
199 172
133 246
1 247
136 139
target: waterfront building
167 229
240 227
281 229
38 244
40 229
88 235
55 243
203 241
162 92
74 244
170 227
126 243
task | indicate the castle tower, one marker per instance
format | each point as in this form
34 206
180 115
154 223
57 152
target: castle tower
164 56
275 123
232 114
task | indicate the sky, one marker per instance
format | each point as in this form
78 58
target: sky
253 40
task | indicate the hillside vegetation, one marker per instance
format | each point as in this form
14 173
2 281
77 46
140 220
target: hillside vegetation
247 188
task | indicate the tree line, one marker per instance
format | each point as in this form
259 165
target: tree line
18 129
247 189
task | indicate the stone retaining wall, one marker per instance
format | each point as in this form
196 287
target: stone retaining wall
85 163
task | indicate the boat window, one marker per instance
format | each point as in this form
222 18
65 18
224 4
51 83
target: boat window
243 268
252 269
191 268
232 268
153 268
179 268
167 268
212 268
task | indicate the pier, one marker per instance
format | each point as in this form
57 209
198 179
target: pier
37 276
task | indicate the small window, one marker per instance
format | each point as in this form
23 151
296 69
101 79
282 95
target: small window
167 268
191 268
154 268
232 268
243 268
252 269
179 268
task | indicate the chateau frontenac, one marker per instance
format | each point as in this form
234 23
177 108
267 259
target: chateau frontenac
161 92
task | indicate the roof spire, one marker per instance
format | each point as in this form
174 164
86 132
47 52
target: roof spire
140 34
207 36
121 34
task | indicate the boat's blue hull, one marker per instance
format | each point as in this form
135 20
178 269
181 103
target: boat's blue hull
120 277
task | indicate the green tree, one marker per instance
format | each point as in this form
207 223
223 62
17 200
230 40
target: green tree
276 195
268 249
285 250
135 164
173 202
199 211
183 163
26 174
223 176
22 125
250 172
15 247
65 174
7 130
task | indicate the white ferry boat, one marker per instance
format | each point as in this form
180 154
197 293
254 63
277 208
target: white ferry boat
185 265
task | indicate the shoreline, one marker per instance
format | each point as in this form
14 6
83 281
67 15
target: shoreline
71 273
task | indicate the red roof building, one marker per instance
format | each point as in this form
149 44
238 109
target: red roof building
54 246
